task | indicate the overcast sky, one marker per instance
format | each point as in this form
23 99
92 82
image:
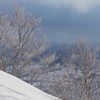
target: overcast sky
65 20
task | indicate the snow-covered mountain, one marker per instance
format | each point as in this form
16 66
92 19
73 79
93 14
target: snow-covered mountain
12 88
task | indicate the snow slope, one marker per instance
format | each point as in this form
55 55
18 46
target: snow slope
12 88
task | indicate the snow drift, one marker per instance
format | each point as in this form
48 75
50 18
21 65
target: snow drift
12 88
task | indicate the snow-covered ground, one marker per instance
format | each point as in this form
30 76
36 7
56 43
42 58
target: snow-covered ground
12 88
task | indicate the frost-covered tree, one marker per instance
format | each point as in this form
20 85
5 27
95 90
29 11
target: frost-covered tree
20 43
85 66
79 78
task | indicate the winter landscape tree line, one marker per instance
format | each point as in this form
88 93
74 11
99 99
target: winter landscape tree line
22 54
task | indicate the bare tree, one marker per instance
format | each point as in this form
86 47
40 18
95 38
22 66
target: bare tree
20 44
79 78
62 85
43 67
85 66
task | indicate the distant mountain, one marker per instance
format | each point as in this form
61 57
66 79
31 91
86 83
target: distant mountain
59 49
12 88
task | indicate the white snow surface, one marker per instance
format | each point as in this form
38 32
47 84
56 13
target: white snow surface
12 88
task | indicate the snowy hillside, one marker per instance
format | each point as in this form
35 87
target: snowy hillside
12 88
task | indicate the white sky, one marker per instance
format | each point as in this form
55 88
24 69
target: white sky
80 6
